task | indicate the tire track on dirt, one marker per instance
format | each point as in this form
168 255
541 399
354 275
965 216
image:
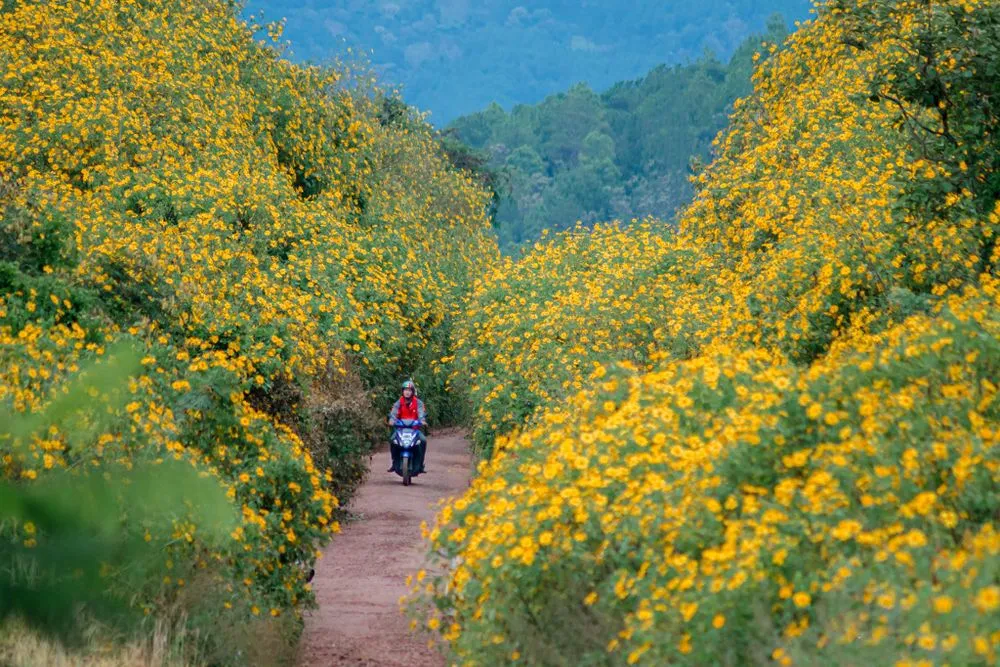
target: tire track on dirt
362 574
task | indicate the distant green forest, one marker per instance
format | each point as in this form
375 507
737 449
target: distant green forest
454 57
621 154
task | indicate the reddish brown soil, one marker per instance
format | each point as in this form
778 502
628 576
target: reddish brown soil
363 573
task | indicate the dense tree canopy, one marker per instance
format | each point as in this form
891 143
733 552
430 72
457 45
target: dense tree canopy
624 153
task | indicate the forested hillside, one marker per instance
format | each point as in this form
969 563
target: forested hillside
772 436
252 229
622 154
456 56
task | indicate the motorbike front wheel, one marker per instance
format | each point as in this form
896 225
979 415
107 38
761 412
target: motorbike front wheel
406 470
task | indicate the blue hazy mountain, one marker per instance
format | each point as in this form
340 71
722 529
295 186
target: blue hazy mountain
454 57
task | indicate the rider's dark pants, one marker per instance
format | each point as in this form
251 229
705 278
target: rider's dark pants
418 455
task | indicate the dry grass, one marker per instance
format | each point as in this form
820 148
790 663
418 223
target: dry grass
20 647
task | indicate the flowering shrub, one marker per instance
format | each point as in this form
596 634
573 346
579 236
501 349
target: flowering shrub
280 253
529 337
771 437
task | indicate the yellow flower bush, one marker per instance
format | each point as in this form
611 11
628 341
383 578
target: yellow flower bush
770 436
528 337
282 253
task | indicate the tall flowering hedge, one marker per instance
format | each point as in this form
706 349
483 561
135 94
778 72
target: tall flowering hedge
278 251
774 435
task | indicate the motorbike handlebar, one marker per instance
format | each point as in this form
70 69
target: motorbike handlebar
408 423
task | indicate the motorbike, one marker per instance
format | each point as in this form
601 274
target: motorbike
406 440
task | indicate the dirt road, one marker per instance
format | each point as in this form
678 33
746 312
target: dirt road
363 573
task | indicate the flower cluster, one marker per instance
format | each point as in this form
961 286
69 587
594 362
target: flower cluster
253 225
772 435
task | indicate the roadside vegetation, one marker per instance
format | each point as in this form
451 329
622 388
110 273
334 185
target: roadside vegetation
277 251
772 436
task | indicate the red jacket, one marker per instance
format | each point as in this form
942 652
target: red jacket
412 409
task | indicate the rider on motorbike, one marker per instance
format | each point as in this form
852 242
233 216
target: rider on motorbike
409 407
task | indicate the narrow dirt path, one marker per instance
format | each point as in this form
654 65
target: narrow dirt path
363 573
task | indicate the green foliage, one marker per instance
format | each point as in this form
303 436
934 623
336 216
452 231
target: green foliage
68 541
943 87
623 154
